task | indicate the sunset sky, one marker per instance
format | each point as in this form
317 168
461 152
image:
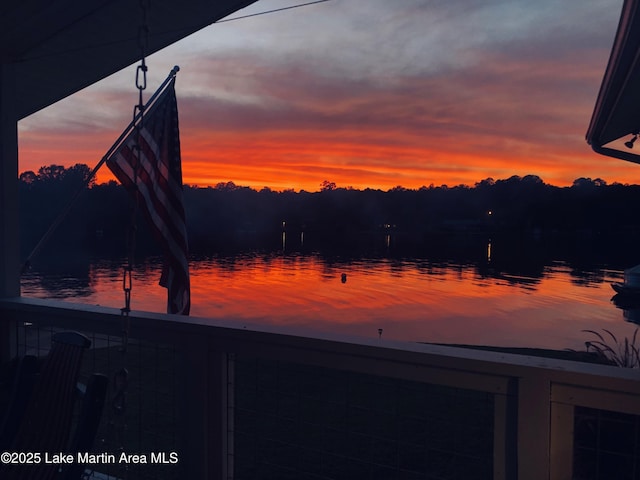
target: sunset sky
366 93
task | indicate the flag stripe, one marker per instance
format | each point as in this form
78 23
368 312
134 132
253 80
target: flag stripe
152 150
163 215
157 215
164 186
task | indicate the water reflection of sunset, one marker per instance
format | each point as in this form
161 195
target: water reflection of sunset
414 300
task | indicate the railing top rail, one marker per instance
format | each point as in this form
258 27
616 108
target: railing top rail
291 344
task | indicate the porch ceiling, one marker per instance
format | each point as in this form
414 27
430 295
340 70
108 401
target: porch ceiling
58 48
617 111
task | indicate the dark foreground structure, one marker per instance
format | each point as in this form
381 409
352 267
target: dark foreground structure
208 398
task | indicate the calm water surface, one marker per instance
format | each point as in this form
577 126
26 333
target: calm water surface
411 299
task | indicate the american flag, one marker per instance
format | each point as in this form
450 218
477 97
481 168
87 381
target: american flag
156 180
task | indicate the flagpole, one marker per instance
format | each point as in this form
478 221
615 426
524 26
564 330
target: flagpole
150 103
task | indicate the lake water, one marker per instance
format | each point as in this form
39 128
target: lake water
409 297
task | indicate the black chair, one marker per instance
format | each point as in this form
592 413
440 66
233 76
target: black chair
88 423
24 377
40 413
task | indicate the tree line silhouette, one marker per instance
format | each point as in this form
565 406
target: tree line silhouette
228 214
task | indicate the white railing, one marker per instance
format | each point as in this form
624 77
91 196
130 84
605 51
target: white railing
534 397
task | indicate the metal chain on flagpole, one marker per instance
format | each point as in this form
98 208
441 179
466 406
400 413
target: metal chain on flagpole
121 377
138 111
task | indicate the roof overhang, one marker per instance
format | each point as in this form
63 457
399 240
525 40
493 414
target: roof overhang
58 48
617 111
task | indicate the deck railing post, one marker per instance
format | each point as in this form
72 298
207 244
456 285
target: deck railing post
562 434
505 434
203 403
193 411
534 420
9 239
220 431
